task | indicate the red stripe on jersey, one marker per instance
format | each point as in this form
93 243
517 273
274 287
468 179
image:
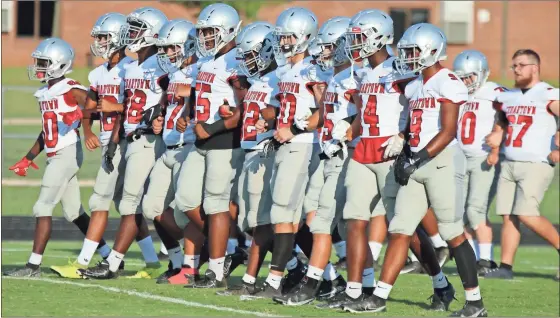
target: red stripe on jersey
93 89
445 100
369 150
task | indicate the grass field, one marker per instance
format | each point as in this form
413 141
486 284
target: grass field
531 293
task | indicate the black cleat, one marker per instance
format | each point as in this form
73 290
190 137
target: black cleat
208 281
412 267
293 277
303 293
369 304
442 297
233 261
484 266
339 300
499 273
442 254
241 290
29 270
99 271
471 309
170 272
328 289
341 264
266 291
162 257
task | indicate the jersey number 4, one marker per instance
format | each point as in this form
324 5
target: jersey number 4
525 122
50 129
135 102
370 119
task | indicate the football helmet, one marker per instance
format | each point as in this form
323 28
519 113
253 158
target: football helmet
53 58
176 42
297 22
421 46
217 25
472 62
142 28
106 34
331 41
368 32
254 47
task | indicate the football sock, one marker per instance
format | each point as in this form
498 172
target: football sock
115 258
375 248
353 289
382 290
148 251
88 249
217 266
35 259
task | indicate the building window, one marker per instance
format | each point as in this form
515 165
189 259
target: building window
30 24
404 18
5 20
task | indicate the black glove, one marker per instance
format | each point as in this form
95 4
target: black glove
151 113
407 162
109 155
270 146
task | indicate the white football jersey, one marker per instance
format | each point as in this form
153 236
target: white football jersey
213 86
262 93
425 99
338 102
384 109
54 101
142 91
109 85
531 125
171 136
476 120
296 95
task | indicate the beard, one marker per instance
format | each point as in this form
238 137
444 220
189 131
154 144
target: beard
522 82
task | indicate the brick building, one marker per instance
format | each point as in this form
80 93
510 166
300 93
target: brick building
497 28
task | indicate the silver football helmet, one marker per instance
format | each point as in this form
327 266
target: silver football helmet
469 63
254 47
52 59
331 41
300 23
106 34
368 32
176 42
217 25
421 46
142 28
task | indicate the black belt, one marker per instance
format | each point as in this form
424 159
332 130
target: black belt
176 146
135 135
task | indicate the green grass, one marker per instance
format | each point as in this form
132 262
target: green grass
532 293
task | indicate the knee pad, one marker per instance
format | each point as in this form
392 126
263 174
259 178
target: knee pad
99 202
41 209
476 216
450 230
71 215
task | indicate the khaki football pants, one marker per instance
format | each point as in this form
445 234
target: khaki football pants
109 185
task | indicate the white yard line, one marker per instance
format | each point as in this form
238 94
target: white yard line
147 296
24 182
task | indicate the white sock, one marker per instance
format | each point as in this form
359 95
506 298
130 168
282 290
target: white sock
314 272
375 248
473 245
35 259
330 272
176 257
340 249
485 251
88 249
473 294
217 266
297 249
191 260
437 241
274 280
104 250
439 280
231 245
412 257
292 263
248 279
115 258
162 249
368 277
353 289
148 250
382 290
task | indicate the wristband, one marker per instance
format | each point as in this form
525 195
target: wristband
296 131
30 156
422 156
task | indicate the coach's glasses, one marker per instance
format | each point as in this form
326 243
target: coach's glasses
515 66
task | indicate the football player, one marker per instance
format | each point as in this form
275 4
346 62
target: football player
60 101
177 46
527 115
209 172
476 121
145 83
105 85
425 168
337 107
